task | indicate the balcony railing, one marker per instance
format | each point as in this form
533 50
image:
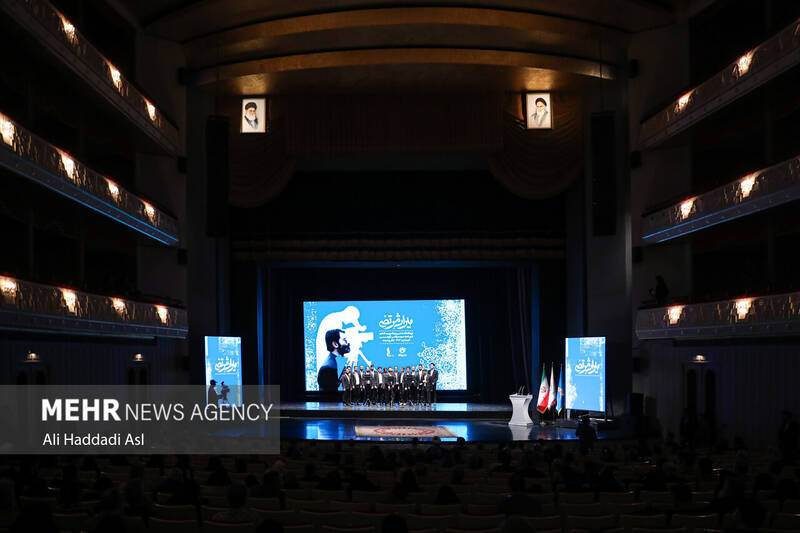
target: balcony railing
34 307
34 158
754 68
760 316
755 192
62 38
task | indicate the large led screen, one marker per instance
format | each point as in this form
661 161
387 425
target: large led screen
388 333
224 366
585 360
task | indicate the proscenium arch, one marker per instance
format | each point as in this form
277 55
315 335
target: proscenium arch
404 56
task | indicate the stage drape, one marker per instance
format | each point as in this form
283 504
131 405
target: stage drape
519 310
530 163
540 163
259 165
503 328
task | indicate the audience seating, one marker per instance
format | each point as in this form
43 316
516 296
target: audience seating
433 509
175 512
161 525
694 522
479 509
786 521
479 522
309 509
596 523
332 518
544 522
219 527
361 529
630 522
400 508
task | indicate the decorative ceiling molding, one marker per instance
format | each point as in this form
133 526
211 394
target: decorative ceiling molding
403 56
183 22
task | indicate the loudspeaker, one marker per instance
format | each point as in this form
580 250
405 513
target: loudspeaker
635 403
217 176
604 175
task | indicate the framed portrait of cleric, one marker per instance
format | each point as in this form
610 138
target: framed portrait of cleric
538 111
254 115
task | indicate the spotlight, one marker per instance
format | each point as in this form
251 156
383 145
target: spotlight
674 314
116 77
69 29
119 305
32 357
150 211
113 189
747 183
163 313
138 358
151 109
7 130
743 63
686 208
699 359
70 299
68 163
742 306
683 101
8 286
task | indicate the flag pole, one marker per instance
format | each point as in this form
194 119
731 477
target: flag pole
539 397
559 389
552 369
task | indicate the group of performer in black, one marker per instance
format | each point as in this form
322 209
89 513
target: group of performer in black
389 386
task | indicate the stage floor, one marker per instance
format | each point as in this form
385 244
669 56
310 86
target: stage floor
470 430
473 422
454 411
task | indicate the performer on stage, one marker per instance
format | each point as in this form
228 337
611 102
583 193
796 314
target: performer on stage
398 386
408 385
401 387
362 394
390 379
347 386
369 385
355 383
380 386
424 391
433 378
418 375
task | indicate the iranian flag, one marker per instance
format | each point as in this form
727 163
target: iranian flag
544 393
551 396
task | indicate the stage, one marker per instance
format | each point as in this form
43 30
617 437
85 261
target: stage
438 411
474 422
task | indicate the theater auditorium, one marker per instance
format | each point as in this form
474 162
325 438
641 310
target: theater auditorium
373 266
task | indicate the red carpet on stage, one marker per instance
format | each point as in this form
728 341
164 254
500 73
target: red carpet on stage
403 431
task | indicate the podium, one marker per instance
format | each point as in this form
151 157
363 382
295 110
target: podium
520 404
